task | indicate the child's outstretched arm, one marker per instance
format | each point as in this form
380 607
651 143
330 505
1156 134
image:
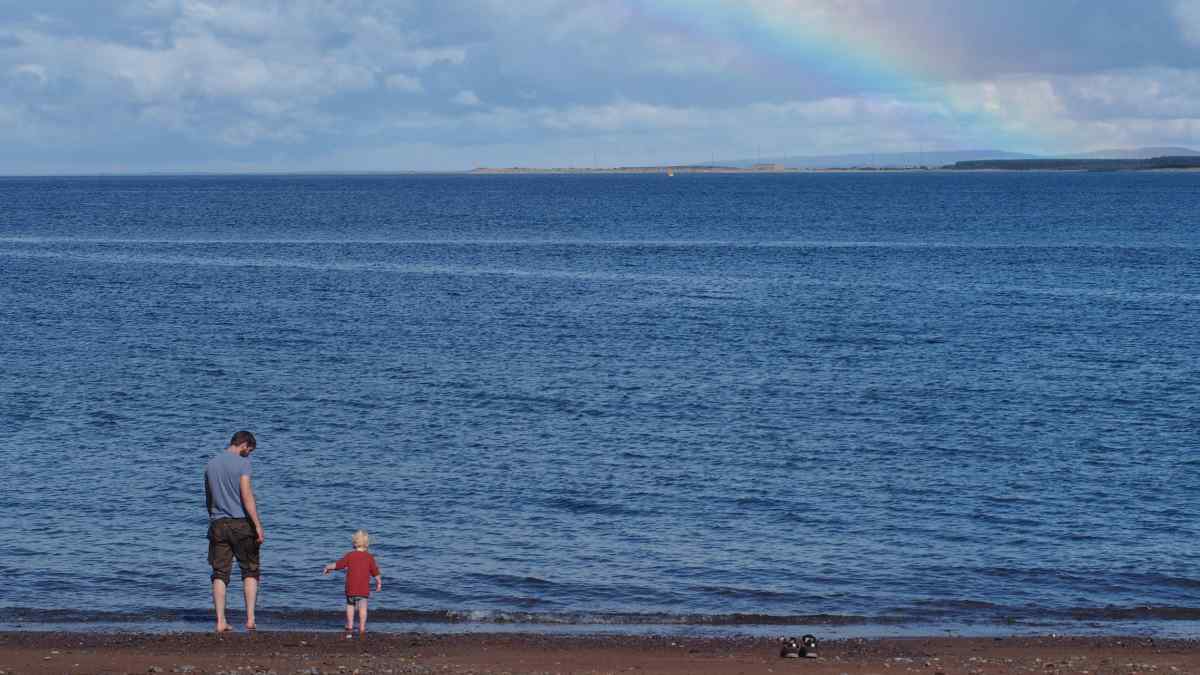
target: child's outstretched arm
335 565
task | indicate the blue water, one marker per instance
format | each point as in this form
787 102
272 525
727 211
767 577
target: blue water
901 401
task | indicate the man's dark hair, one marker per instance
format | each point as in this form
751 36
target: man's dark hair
244 438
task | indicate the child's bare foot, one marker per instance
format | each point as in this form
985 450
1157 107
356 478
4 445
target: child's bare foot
251 627
223 628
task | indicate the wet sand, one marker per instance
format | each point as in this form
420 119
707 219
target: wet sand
309 652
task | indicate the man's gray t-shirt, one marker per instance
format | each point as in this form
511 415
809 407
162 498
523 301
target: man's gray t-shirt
224 478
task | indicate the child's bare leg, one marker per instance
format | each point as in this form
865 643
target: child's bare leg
362 616
349 617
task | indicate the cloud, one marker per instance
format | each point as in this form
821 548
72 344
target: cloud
466 97
235 73
1187 13
402 82
28 75
307 81
950 39
1139 107
1151 94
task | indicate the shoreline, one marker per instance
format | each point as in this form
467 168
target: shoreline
521 171
311 652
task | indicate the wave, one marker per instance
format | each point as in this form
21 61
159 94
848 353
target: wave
968 612
577 505
600 243
343 266
32 615
122 258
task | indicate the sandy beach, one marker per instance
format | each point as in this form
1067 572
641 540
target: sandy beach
325 652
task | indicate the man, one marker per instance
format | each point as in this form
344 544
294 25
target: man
234 529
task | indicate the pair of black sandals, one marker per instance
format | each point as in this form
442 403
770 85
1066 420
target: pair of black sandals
797 648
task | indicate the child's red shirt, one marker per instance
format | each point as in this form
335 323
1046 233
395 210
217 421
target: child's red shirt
360 567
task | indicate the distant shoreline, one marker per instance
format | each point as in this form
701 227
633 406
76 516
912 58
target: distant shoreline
1168 163
1157 165
692 169
888 170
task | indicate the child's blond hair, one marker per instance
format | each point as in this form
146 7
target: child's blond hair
361 539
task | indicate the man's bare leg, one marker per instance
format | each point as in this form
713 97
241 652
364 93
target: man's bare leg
219 604
362 617
250 589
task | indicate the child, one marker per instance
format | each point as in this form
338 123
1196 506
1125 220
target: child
360 567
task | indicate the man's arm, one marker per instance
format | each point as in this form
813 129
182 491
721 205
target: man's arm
251 507
207 495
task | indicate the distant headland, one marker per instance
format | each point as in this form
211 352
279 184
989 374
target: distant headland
1149 164
667 169
1137 159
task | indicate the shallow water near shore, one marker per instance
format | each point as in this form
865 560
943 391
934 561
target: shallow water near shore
711 402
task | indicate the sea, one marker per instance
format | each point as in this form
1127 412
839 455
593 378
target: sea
859 403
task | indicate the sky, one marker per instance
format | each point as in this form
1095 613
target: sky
100 86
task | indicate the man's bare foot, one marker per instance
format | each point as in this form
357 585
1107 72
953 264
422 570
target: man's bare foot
251 627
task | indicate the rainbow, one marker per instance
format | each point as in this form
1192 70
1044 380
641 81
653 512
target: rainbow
798 42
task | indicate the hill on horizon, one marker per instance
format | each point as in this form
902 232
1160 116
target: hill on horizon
945 157
877 159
